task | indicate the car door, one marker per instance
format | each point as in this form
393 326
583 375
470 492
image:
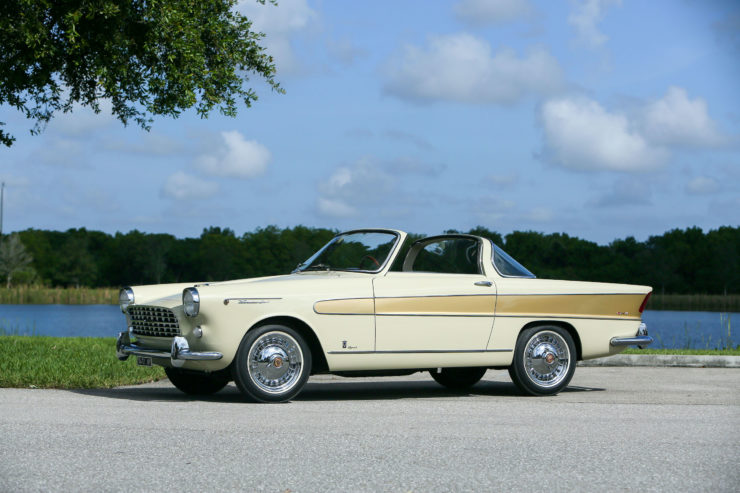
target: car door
440 302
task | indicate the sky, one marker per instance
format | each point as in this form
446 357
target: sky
601 119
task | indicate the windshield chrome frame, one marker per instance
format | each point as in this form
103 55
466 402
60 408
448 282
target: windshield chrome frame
391 253
494 246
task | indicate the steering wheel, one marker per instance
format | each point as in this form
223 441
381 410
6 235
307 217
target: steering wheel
374 260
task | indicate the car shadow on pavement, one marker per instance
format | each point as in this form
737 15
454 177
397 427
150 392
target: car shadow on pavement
335 390
161 394
378 390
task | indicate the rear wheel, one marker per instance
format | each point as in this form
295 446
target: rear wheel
458 378
544 360
273 364
197 383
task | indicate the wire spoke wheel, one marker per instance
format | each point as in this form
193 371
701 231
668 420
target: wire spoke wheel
272 364
544 360
275 362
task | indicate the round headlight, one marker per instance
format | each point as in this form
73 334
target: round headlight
125 298
190 301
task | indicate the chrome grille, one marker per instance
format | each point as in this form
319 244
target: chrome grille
153 321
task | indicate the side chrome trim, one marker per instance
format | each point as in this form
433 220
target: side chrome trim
250 301
555 316
570 294
466 315
425 351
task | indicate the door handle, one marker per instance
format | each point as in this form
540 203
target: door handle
487 284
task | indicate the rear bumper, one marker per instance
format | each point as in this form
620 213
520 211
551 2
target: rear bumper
641 339
178 354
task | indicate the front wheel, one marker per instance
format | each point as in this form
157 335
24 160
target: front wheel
197 383
273 364
458 378
544 360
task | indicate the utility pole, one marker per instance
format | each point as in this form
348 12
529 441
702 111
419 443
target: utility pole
2 196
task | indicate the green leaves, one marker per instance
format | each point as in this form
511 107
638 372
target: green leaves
149 58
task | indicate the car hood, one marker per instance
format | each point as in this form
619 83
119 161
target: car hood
314 283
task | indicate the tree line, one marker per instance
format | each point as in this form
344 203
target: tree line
679 261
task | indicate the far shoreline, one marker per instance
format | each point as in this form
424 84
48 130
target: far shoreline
39 295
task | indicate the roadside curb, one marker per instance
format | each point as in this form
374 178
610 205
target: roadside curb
695 361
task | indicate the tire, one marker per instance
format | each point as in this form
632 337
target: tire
272 364
458 378
197 383
531 370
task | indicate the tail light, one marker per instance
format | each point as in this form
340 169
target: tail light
644 302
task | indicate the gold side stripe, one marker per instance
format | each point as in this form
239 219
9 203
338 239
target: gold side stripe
437 305
352 306
563 306
594 305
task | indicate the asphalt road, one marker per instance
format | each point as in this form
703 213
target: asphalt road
642 429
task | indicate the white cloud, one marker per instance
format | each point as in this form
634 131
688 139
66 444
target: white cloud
15 181
727 31
462 68
585 17
412 166
702 185
491 12
352 187
147 143
539 215
61 151
625 192
374 187
236 158
344 51
335 208
582 135
81 121
502 181
280 23
182 186
677 120
401 136
492 210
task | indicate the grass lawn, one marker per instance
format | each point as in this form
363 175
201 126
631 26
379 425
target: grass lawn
90 362
68 363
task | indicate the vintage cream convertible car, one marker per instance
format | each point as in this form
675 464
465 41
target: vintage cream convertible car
371 303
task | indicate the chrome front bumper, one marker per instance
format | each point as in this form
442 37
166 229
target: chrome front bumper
641 339
178 353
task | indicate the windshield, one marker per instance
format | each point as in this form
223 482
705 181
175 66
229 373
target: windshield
365 251
507 266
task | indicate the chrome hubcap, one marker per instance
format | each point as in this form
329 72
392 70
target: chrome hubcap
546 358
275 362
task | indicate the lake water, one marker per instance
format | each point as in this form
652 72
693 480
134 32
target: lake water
698 330
62 320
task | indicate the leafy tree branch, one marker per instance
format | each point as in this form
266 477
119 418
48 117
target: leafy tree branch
146 57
